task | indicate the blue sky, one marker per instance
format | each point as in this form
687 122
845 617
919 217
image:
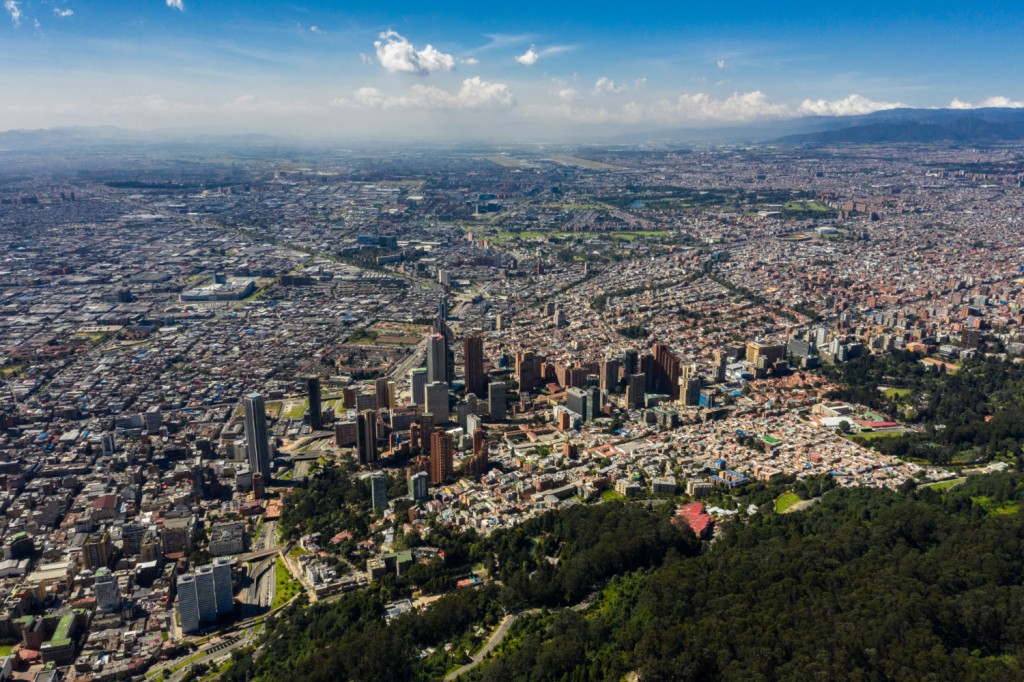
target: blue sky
518 69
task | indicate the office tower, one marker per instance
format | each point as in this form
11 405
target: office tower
473 403
771 353
348 397
108 594
630 362
206 593
426 428
437 401
437 358
635 391
594 404
442 453
610 374
461 413
527 371
131 538
222 585
379 491
381 394
392 403
109 444
257 444
442 308
316 409
473 364
417 384
576 401
691 391
721 362
153 420
188 603
473 423
366 436
418 483
479 441
496 400
259 486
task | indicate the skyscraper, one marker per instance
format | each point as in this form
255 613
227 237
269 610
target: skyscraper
188 603
417 384
316 414
366 436
635 390
437 359
379 491
108 594
381 394
206 593
473 364
222 585
630 361
418 484
666 368
576 401
437 401
527 371
442 454
496 405
257 444
594 404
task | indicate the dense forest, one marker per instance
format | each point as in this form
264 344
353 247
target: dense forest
920 584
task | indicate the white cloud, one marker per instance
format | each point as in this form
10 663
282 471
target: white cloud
720 63
998 101
474 94
469 61
63 13
397 55
568 95
176 4
13 8
529 58
315 29
606 86
851 105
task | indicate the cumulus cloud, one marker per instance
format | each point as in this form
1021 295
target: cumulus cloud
998 101
63 13
720 63
606 86
529 58
851 105
469 61
13 8
397 55
568 95
176 4
475 93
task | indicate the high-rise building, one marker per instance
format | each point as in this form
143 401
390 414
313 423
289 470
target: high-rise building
316 410
771 353
97 551
188 603
666 370
381 394
691 391
527 371
442 454
108 594
257 443
576 401
206 593
630 362
610 374
473 364
109 443
594 404
366 436
635 391
437 359
720 365
153 419
437 401
222 585
496 400
418 484
418 384
379 491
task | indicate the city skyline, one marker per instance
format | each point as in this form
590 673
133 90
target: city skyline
532 71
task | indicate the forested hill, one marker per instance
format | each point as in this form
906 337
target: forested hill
923 584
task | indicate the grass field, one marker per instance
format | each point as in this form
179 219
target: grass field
785 501
806 206
875 435
632 236
893 393
611 496
297 409
945 485
285 586
566 160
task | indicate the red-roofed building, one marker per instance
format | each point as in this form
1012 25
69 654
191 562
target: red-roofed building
694 516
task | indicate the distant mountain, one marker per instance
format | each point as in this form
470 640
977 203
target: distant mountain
971 126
